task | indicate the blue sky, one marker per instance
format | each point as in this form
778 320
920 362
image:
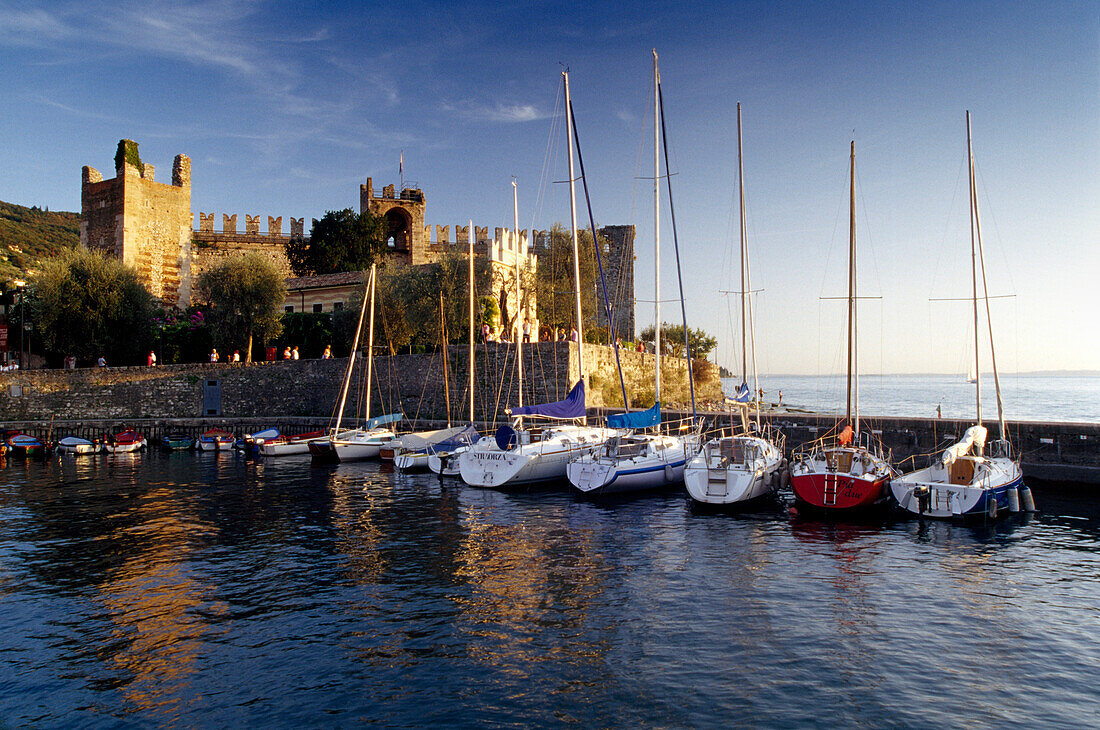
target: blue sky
286 108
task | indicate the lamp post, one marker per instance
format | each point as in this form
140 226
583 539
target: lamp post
19 285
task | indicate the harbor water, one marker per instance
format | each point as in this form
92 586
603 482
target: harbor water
211 590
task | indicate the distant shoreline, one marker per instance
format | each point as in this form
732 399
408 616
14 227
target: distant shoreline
1003 374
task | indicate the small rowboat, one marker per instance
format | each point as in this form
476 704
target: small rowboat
216 439
77 445
289 445
24 445
125 442
250 443
177 442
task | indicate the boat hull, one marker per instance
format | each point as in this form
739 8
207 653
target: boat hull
712 481
941 500
126 448
596 477
486 465
830 491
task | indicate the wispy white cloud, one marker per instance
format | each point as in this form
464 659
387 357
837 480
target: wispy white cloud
504 113
31 27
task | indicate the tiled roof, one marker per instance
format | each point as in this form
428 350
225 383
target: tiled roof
342 278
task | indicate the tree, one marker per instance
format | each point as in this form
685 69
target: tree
672 340
342 240
245 296
408 300
88 305
555 280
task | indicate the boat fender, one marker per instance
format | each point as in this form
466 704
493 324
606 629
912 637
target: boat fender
1027 501
507 438
670 473
1013 500
785 478
991 506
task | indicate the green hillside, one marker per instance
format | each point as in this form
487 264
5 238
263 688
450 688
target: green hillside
28 235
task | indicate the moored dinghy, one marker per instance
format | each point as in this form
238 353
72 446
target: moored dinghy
289 445
216 439
77 445
125 442
25 445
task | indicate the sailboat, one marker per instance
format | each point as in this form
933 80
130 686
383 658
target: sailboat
640 458
515 455
744 465
843 472
966 480
366 441
442 458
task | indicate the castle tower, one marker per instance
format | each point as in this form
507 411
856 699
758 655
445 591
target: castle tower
145 223
404 218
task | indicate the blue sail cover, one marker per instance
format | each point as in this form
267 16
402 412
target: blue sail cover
637 419
742 393
383 420
571 407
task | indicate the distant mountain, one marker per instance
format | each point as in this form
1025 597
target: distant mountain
29 235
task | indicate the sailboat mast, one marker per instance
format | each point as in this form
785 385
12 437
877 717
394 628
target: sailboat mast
470 239
443 348
656 231
974 270
370 338
351 358
573 225
744 272
852 290
519 308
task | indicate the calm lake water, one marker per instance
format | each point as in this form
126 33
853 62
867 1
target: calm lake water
204 590
1072 398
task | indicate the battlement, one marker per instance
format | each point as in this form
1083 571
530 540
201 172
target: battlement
251 225
144 223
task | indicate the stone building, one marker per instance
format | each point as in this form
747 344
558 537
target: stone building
150 226
145 223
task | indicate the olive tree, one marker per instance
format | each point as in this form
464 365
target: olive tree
244 297
86 304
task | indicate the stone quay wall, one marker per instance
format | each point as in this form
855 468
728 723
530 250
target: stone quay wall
412 384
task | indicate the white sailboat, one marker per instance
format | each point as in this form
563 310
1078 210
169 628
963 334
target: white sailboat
745 465
640 459
366 441
515 455
966 480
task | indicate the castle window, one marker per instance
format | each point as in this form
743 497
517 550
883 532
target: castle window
289 308
337 306
317 307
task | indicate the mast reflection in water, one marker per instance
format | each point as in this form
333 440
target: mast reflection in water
212 590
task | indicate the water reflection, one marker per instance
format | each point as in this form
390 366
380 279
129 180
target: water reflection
209 589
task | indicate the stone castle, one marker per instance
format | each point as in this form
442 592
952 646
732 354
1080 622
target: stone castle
149 225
